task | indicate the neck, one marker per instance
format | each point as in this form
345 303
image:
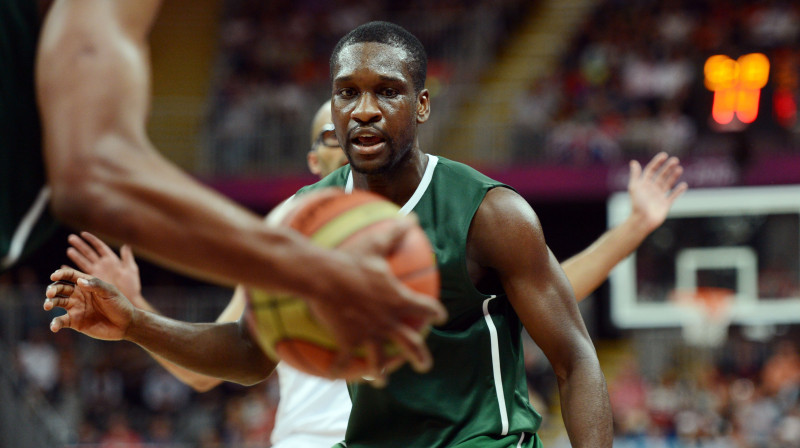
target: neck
398 184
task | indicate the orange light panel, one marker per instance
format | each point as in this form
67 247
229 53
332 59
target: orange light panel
736 85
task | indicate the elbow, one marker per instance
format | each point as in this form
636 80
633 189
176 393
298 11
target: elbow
70 198
258 369
86 194
204 385
77 198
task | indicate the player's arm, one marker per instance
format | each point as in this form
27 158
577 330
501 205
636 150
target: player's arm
93 86
93 82
199 382
97 309
541 295
652 192
96 258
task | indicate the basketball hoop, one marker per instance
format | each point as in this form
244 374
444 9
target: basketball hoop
707 315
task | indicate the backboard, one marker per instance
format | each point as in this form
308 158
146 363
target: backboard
746 239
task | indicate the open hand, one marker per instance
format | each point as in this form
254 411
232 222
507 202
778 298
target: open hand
94 257
653 190
93 307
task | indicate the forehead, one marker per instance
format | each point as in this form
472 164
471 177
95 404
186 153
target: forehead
371 58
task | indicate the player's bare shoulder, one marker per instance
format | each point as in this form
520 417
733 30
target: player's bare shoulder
503 210
504 224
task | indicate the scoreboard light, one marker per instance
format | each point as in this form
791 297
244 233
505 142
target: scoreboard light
736 85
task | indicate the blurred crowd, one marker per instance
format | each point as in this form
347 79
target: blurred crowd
632 84
744 394
272 67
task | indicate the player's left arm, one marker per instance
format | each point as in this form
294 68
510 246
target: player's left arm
652 192
542 297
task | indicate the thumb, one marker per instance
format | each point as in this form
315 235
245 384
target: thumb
635 170
126 253
97 286
393 237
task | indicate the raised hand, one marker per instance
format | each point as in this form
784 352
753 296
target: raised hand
653 190
93 307
94 257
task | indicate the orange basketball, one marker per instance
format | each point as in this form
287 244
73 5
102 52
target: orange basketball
283 324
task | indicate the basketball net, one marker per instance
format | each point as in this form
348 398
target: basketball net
707 315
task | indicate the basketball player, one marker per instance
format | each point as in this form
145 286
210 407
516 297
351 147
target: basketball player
105 176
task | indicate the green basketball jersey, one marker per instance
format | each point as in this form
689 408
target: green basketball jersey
476 395
24 218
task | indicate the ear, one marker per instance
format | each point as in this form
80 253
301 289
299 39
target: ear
423 106
313 163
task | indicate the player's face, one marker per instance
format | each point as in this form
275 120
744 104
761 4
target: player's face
375 108
326 155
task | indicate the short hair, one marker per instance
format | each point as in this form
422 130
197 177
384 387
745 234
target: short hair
389 34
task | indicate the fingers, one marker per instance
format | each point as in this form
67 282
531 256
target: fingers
384 243
60 322
59 289
80 261
68 274
340 362
677 191
671 172
83 248
636 171
434 310
412 345
663 170
655 164
102 248
126 253
56 302
376 373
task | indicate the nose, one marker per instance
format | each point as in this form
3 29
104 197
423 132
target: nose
367 110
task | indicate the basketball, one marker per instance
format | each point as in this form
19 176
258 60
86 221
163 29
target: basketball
283 324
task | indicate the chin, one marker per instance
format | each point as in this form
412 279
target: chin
370 167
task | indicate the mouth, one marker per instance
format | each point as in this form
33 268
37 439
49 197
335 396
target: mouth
367 141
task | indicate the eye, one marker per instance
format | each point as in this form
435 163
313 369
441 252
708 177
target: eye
347 92
390 92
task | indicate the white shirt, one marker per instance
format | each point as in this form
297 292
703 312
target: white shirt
312 411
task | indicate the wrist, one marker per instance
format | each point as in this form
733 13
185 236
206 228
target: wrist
640 224
137 325
141 303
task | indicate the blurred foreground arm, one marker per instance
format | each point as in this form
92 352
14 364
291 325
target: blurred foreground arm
652 193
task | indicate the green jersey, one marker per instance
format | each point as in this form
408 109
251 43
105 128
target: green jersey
24 218
476 395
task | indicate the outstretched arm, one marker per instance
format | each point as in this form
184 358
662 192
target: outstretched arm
652 193
95 258
93 82
541 295
99 310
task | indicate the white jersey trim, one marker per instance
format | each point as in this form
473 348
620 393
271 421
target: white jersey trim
412 202
498 376
25 228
